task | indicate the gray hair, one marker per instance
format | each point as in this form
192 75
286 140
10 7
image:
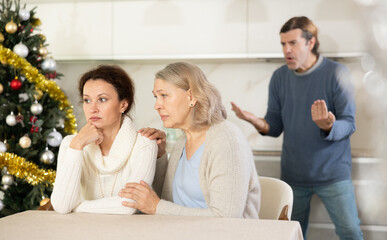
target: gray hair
209 109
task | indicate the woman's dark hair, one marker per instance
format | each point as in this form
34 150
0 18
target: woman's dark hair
307 27
117 77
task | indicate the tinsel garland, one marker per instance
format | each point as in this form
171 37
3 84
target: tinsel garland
26 170
32 74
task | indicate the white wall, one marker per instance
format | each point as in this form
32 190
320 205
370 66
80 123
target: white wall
232 40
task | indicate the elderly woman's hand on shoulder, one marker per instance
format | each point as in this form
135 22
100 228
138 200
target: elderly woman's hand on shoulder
158 135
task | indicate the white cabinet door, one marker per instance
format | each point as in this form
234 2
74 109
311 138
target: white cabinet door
178 28
339 23
74 30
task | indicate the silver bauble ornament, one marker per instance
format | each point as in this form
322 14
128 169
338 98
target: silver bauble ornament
49 64
47 157
36 108
25 142
11 119
4 171
21 50
1 205
3 147
7 179
24 15
23 97
54 138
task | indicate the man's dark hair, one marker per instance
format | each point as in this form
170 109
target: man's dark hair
309 30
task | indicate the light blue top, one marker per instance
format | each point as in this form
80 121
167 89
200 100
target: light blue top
186 187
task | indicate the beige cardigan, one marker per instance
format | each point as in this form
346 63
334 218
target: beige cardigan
227 176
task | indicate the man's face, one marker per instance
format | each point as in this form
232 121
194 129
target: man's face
297 50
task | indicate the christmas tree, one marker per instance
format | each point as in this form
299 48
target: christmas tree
34 113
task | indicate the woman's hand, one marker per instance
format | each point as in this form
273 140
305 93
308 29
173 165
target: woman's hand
158 135
146 200
88 134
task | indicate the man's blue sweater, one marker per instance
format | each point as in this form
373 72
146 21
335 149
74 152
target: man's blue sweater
310 156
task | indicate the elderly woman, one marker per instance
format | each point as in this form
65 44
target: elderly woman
107 152
210 171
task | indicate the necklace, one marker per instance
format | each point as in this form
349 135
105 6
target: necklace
100 185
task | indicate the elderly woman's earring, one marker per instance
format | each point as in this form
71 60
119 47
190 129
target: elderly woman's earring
191 104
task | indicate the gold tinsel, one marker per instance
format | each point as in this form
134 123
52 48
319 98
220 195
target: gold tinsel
32 74
23 169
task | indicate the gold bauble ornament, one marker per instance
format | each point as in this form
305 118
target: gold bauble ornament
1 37
44 201
43 51
42 37
11 27
1 88
38 94
25 142
36 22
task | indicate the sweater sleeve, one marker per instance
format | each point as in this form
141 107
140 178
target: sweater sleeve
224 181
66 192
143 164
169 208
343 107
273 115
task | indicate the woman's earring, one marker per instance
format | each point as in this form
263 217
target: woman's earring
191 104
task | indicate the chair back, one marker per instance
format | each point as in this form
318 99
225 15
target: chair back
276 199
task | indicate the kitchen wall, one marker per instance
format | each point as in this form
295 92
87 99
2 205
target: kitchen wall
236 43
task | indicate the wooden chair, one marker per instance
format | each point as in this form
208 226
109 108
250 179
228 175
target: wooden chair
276 199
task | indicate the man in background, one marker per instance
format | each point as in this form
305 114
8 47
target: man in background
311 101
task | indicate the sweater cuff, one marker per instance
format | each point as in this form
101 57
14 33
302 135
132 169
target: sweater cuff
328 136
162 207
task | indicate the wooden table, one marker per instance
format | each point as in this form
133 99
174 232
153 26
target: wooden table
51 225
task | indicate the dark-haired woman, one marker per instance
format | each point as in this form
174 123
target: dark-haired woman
95 164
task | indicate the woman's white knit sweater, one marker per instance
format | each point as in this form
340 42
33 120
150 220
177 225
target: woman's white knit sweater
86 181
227 176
